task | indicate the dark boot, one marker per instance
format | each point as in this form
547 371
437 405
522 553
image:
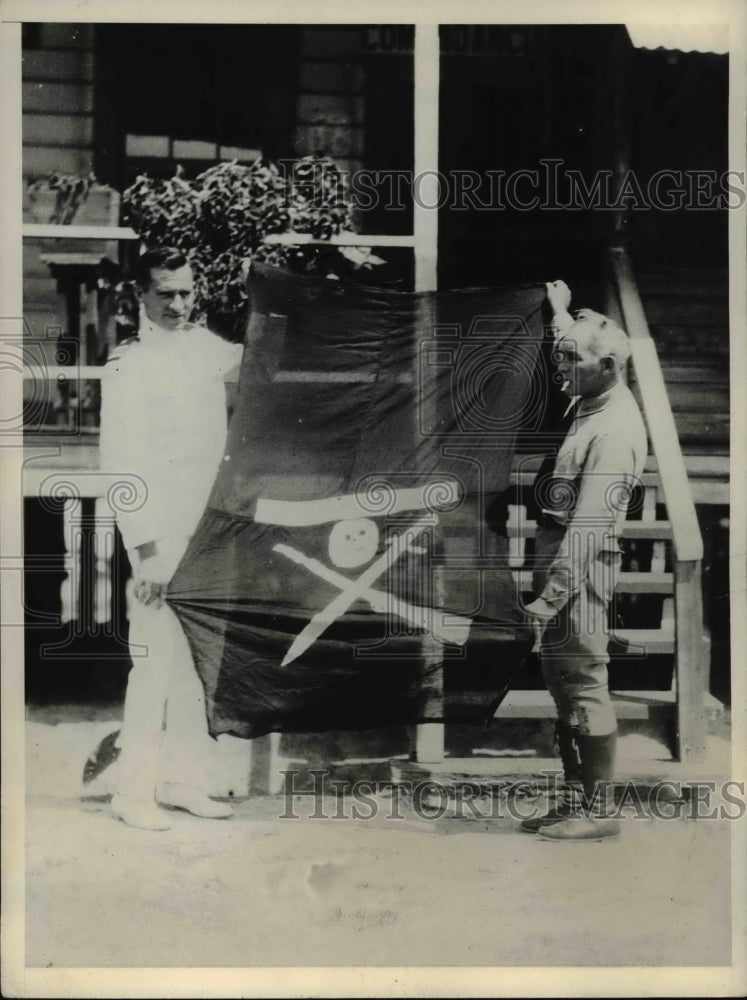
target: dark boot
568 800
597 767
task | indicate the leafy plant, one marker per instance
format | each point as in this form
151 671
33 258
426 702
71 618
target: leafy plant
220 219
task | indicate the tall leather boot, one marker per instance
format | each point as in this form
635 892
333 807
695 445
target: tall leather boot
594 822
569 797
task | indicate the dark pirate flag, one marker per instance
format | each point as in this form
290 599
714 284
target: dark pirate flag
344 556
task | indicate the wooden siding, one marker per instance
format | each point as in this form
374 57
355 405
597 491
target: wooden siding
330 111
57 131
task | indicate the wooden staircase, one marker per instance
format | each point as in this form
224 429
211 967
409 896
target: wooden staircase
687 310
659 594
643 634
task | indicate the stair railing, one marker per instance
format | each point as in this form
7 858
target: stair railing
625 304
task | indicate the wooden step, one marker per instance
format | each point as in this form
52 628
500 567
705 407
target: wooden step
627 583
647 641
704 341
502 771
638 530
691 283
694 368
525 472
525 704
697 396
675 310
704 465
628 705
645 583
641 530
705 429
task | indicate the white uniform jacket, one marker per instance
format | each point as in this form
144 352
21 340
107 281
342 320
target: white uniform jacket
163 427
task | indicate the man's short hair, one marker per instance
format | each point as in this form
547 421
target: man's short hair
168 258
607 338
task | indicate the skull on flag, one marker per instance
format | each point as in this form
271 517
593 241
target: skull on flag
354 542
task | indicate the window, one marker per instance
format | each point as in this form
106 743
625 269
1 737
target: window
191 95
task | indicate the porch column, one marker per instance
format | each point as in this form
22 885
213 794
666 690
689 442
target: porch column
426 186
429 736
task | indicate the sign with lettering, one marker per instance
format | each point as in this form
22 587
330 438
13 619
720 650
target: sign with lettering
456 39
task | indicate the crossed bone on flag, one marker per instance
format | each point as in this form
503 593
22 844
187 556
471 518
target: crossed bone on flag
353 542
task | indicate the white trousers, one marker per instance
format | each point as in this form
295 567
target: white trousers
164 736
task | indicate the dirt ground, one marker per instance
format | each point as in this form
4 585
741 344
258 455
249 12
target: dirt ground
264 890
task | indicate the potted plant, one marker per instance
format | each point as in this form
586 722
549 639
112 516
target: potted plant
220 219
67 199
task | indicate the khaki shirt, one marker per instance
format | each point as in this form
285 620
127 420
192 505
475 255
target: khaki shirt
599 462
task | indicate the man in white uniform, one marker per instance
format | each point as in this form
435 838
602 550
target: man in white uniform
163 428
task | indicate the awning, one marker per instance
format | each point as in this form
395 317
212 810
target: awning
712 38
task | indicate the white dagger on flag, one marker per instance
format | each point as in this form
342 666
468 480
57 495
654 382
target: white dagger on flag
361 588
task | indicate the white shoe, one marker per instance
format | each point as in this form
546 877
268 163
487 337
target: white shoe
141 813
193 800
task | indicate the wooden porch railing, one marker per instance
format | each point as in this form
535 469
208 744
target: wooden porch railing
624 303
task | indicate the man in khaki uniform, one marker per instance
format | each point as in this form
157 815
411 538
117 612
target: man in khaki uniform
163 427
583 506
